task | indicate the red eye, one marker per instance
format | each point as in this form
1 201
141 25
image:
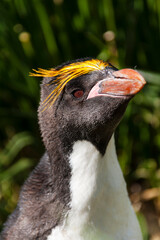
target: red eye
78 93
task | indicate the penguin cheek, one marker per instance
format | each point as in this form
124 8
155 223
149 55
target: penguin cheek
106 110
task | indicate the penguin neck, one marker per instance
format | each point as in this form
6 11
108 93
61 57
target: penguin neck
99 204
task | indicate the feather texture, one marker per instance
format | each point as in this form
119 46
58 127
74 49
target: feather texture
61 76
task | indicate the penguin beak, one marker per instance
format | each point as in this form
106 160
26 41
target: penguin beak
125 82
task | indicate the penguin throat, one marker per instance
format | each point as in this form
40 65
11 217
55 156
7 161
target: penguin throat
99 206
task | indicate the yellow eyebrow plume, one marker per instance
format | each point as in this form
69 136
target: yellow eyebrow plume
65 74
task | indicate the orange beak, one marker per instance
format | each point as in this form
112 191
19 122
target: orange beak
125 82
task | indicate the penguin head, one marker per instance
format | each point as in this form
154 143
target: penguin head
84 100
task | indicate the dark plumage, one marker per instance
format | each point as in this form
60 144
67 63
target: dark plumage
45 196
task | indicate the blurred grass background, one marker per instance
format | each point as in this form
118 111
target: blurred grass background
41 33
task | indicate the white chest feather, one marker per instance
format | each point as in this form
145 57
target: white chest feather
100 207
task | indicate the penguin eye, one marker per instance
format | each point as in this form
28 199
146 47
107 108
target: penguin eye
78 93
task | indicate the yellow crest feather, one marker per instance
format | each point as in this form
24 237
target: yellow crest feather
65 74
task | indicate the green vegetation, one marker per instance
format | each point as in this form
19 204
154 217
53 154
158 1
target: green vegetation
44 34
